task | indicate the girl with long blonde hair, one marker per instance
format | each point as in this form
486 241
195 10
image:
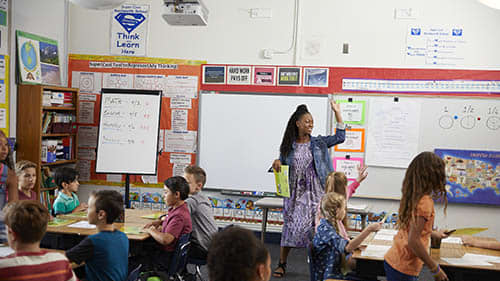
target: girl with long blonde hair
329 247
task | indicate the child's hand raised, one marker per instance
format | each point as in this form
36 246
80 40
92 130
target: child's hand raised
362 173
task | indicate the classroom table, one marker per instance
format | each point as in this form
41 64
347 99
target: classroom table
375 265
132 219
267 203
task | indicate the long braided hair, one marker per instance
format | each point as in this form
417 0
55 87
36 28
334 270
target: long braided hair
291 131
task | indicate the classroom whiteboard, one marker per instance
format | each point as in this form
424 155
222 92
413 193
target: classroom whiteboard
240 135
445 123
128 132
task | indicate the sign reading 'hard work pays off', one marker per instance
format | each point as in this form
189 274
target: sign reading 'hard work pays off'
129 30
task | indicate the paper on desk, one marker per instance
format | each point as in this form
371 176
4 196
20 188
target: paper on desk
5 251
132 230
453 240
375 251
82 224
60 222
465 261
385 237
485 258
387 231
153 216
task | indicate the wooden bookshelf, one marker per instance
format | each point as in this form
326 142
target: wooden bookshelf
29 134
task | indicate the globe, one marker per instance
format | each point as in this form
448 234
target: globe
28 56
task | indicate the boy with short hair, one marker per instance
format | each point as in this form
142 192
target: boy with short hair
26 224
177 222
202 217
106 253
67 201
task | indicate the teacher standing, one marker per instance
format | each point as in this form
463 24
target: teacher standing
310 163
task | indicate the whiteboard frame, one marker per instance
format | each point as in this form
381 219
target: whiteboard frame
324 130
105 91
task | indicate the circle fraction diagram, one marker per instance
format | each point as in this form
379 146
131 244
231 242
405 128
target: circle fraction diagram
446 122
493 123
468 122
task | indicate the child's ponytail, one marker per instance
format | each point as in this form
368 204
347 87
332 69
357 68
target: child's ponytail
330 205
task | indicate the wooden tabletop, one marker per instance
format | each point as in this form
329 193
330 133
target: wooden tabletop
447 250
133 220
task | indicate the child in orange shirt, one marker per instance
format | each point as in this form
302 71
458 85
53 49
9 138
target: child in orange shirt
424 181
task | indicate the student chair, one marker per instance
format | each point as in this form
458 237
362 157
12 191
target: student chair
179 258
198 264
310 261
134 274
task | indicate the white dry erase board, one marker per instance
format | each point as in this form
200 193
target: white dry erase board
442 122
240 135
128 132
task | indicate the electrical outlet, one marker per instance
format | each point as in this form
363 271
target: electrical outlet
405 13
345 48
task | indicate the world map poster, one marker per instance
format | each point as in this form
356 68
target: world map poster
472 176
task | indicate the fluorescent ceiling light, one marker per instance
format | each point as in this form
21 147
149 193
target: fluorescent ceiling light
98 4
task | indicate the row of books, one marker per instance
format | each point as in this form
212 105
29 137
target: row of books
55 122
51 98
57 149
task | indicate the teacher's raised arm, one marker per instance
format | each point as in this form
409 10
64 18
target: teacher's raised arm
310 163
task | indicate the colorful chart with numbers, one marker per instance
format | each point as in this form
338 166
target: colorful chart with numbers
472 176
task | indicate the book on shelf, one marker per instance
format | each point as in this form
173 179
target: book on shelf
57 149
55 122
55 98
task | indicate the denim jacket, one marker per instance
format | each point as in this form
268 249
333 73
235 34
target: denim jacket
321 156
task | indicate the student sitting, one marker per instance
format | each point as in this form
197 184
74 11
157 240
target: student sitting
26 224
67 200
26 179
106 253
201 213
8 180
236 254
329 247
177 222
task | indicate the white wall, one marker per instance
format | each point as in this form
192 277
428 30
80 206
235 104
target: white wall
375 38
45 18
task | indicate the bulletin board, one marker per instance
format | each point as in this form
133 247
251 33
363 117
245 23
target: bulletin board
4 94
179 81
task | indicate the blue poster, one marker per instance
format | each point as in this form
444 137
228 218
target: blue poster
472 176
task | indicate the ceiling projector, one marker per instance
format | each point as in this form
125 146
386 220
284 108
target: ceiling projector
189 12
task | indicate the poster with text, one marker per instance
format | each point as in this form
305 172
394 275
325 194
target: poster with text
129 30
315 77
178 123
472 176
214 74
353 112
349 166
38 59
354 141
289 76
239 75
264 75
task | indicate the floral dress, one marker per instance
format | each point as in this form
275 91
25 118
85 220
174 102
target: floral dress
299 211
